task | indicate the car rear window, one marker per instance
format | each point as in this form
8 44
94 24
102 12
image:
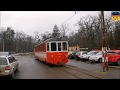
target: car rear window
3 61
111 53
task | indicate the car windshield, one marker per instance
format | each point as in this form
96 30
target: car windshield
76 51
99 53
84 52
70 52
89 53
3 61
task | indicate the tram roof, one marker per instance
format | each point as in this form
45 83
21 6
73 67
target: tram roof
53 39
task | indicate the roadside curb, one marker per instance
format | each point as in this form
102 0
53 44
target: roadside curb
118 67
114 67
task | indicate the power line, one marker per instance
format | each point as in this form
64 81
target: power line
70 17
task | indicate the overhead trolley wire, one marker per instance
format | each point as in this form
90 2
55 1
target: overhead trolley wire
69 19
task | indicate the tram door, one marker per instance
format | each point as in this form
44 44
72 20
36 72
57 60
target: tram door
62 47
60 55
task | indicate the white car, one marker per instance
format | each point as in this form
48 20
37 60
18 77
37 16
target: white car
8 66
4 53
80 53
96 58
86 56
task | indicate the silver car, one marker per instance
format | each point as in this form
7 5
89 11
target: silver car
8 66
86 56
80 53
96 58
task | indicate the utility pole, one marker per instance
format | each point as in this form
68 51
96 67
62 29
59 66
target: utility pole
104 44
75 12
0 29
3 45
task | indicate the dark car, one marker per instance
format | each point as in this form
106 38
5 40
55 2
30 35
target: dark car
72 55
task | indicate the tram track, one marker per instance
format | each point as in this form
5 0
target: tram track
83 71
72 74
76 72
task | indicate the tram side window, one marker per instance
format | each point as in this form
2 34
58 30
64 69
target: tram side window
59 46
53 46
64 44
43 47
39 48
47 46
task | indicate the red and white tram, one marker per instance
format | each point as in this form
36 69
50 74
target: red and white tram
53 51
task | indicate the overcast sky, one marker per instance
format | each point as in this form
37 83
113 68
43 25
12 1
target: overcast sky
41 21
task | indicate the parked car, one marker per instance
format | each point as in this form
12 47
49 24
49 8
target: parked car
69 52
86 56
80 53
72 55
8 66
114 56
4 53
96 57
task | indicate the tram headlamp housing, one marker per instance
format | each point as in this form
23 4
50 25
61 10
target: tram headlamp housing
52 56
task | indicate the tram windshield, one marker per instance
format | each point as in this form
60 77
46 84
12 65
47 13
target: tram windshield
57 46
53 46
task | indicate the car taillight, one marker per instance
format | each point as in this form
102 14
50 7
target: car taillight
7 68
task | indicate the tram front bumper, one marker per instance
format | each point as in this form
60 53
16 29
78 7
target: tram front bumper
60 63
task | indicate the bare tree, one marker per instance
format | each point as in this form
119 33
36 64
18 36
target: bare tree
89 32
46 36
64 29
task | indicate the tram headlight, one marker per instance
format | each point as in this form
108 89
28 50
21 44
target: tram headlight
66 56
52 56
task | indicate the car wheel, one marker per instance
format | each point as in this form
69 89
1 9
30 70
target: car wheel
118 62
12 75
70 57
100 60
35 58
17 69
90 61
77 58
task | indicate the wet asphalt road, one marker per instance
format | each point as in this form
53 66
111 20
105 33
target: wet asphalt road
34 69
97 68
